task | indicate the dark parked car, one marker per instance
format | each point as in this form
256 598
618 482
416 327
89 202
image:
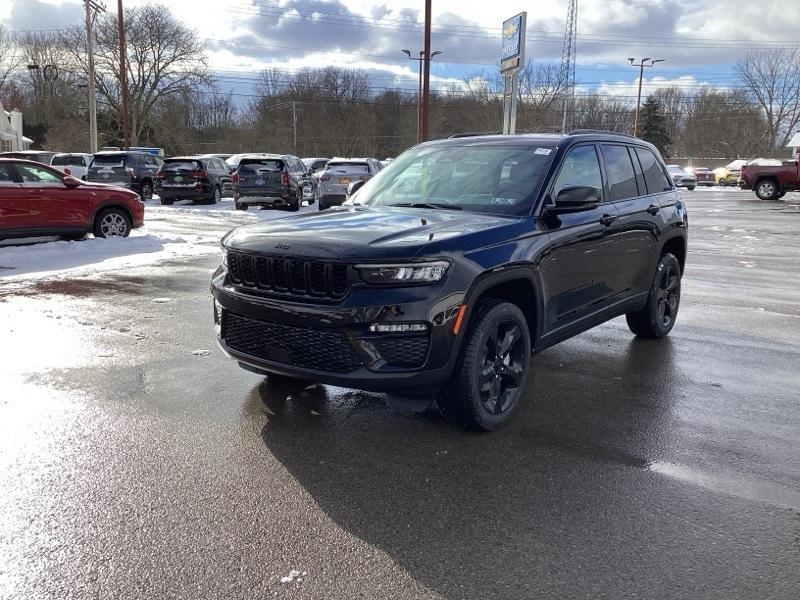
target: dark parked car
193 178
40 156
271 181
38 200
445 282
133 170
340 173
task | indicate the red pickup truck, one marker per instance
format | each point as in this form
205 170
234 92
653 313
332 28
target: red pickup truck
771 182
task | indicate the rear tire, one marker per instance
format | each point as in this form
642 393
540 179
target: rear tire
238 206
690 188
767 189
658 316
216 195
489 378
147 191
112 222
166 202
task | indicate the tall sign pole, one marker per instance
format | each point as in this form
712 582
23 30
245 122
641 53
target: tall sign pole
426 74
123 77
512 59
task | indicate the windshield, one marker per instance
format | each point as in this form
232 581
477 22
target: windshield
493 179
674 169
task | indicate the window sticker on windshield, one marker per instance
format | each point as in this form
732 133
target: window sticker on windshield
544 151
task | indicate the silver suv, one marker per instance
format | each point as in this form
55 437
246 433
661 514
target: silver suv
338 174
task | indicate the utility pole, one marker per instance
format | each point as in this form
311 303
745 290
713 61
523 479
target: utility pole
92 8
426 74
123 77
646 63
419 86
294 124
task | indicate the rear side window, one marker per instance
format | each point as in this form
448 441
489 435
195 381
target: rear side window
265 165
580 167
653 173
6 174
619 170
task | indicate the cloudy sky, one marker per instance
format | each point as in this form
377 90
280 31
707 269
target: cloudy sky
700 39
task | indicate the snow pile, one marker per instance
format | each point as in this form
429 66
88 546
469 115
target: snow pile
173 232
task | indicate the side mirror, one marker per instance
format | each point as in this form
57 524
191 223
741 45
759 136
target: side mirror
70 181
354 187
575 198
67 171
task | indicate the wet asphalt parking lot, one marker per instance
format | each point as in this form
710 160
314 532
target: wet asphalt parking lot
136 461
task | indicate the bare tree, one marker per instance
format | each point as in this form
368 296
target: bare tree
9 56
722 124
772 79
164 59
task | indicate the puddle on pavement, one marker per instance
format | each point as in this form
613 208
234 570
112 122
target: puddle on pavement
79 288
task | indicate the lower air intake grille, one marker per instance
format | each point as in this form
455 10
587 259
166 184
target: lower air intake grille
306 347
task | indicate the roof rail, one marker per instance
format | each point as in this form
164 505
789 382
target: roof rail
472 134
606 131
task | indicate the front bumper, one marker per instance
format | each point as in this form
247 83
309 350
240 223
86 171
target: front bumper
363 353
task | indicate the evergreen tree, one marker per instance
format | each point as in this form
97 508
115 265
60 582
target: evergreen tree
653 127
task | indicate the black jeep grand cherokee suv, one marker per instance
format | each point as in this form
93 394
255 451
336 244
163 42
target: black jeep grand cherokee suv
454 264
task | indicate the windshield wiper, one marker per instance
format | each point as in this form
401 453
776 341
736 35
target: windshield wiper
428 205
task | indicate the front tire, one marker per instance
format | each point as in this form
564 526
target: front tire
767 189
112 222
166 202
493 367
238 206
658 316
690 188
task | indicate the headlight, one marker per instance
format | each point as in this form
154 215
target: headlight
425 272
225 258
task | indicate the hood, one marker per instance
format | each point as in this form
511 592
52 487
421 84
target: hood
365 233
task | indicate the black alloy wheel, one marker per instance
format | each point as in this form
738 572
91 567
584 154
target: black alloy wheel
493 364
502 367
147 191
657 318
668 295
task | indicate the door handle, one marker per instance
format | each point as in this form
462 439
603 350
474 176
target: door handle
608 219
653 209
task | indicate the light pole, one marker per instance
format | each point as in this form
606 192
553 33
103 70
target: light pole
419 87
642 65
92 7
123 76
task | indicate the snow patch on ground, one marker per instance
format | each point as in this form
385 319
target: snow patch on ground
169 232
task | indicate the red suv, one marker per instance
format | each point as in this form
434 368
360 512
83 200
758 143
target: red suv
38 200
